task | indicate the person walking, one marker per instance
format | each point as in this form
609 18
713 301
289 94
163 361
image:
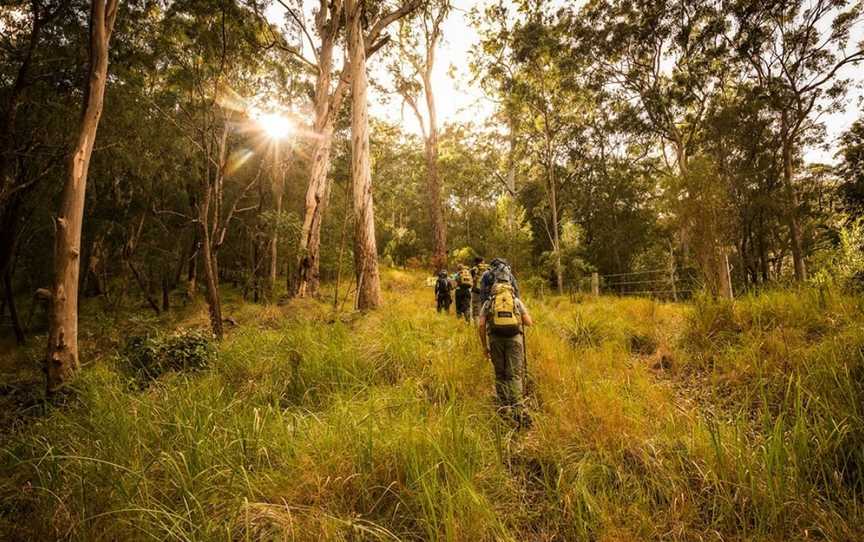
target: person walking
463 293
477 272
499 271
443 287
503 318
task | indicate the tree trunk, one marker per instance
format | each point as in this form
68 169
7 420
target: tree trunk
166 290
20 338
342 234
433 183
792 210
365 248
326 105
61 361
274 248
145 289
307 280
556 238
207 260
278 190
763 253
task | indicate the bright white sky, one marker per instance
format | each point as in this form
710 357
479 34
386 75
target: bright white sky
458 100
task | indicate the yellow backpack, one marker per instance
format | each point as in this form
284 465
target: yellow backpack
464 277
504 320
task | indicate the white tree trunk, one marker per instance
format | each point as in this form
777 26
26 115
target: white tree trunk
61 360
365 248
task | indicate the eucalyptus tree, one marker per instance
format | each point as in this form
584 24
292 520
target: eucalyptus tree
542 96
665 61
319 36
419 38
851 169
365 248
61 360
799 52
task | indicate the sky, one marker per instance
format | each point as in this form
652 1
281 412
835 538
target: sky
459 100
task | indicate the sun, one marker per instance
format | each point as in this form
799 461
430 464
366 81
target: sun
274 125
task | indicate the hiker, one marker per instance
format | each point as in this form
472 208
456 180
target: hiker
463 293
442 292
499 271
503 318
477 272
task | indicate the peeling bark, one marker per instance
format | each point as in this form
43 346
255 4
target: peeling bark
365 248
61 361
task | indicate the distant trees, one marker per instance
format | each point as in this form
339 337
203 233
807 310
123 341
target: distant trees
23 42
542 100
852 167
795 51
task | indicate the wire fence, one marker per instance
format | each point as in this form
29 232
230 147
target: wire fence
675 284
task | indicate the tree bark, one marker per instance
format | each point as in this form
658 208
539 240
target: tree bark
20 337
792 204
433 183
553 203
211 281
166 290
61 361
436 214
326 105
365 248
278 187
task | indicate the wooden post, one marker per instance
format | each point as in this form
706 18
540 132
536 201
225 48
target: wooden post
595 284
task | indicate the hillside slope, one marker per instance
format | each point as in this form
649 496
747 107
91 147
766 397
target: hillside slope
652 421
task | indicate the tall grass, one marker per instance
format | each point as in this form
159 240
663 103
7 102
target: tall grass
312 425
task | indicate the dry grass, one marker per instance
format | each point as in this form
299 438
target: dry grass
313 425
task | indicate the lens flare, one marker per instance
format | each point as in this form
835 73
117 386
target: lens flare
274 125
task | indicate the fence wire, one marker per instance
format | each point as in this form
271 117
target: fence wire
671 284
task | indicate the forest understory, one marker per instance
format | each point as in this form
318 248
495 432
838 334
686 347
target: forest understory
710 420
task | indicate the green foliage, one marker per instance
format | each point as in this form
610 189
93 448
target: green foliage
401 246
852 167
844 261
149 357
464 256
512 235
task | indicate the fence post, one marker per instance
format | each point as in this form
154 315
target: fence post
595 284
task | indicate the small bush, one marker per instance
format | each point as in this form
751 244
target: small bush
587 332
642 344
149 357
535 286
711 323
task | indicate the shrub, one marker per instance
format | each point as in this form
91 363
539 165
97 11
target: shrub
149 357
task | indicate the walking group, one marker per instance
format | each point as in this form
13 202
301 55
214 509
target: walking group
488 295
